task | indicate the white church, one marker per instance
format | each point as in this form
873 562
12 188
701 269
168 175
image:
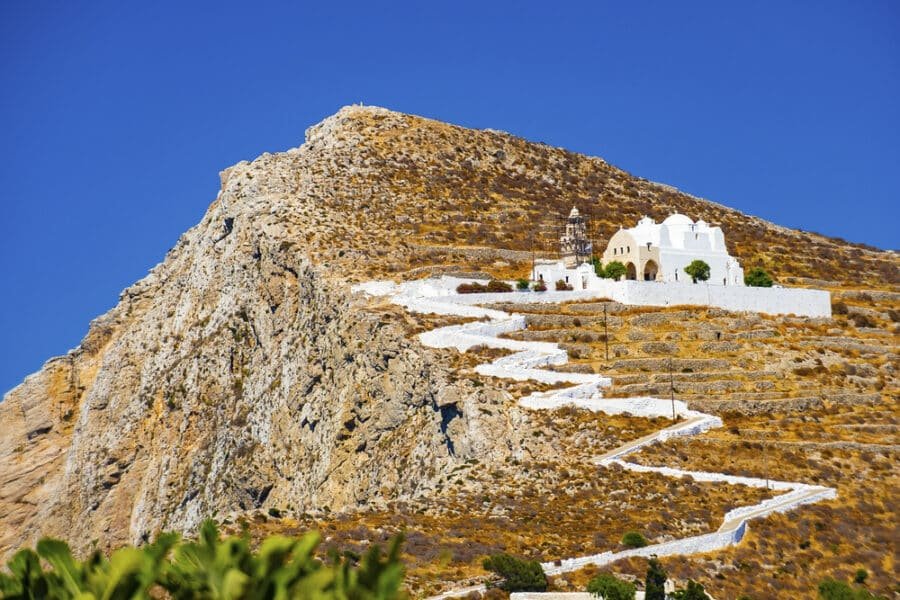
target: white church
655 256
650 251
654 251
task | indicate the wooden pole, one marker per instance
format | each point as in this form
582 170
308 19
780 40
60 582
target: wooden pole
605 332
672 387
533 234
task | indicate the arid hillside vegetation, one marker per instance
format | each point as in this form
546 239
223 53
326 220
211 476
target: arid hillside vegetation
392 193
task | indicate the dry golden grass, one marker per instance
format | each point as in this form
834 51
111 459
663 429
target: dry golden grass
539 510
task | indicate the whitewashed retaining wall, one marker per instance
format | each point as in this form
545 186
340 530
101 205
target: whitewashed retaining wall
773 301
691 545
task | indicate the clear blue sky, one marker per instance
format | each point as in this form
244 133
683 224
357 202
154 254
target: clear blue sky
116 117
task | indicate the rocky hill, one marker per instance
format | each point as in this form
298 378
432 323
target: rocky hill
241 374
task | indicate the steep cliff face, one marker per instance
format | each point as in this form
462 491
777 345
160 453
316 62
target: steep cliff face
235 375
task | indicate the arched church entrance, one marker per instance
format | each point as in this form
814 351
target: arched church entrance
650 270
630 271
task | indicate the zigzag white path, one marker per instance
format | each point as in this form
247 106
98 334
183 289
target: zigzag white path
436 296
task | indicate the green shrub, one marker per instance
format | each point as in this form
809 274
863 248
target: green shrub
698 270
517 575
522 285
540 286
831 589
860 576
634 539
614 270
562 286
757 277
610 587
210 568
693 591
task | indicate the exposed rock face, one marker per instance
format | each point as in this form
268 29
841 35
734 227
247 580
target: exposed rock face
235 375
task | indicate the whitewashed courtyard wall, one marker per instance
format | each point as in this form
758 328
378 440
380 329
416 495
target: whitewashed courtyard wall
772 301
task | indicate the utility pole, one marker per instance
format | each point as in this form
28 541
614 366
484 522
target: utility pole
672 387
533 235
605 332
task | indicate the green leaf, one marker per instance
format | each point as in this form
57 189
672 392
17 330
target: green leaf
58 554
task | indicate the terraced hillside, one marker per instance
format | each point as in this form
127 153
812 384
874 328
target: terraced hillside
723 361
802 400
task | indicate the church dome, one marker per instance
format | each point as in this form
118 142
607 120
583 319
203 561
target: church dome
574 212
677 219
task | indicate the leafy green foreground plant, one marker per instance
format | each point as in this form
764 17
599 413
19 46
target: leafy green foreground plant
211 568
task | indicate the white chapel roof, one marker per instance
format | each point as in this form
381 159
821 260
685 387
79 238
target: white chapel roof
678 219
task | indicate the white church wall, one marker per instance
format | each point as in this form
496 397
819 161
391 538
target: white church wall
674 259
773 301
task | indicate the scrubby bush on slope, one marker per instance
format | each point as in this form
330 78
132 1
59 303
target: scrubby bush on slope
517 575
757 277
609 587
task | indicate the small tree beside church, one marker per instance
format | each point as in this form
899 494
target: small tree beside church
698 270
614 270
757 277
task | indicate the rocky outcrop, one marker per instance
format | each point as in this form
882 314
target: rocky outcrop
236 375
